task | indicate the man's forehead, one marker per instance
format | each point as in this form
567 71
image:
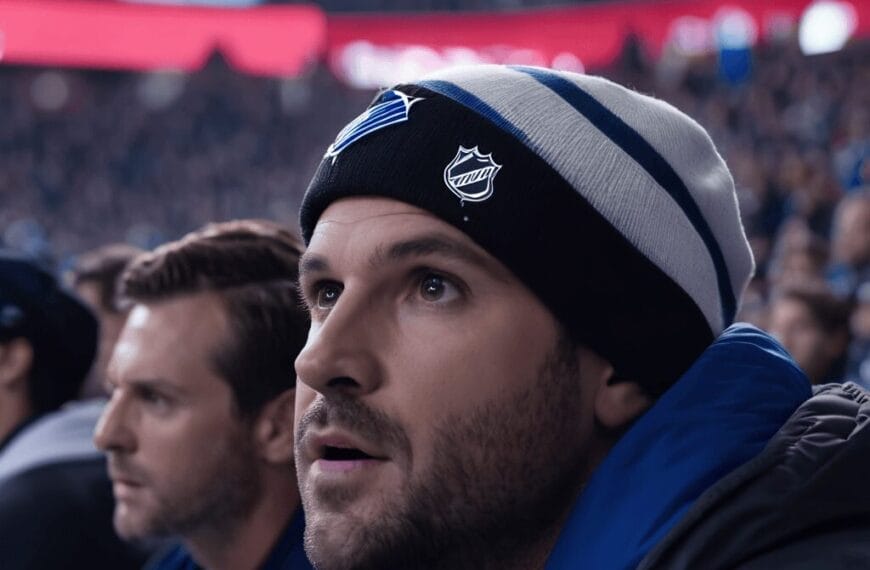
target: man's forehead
374 231
175 330
357 226
183 314
349 211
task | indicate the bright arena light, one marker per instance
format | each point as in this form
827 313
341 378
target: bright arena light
826 27
735 29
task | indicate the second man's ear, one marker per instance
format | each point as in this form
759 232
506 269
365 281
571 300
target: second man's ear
274 428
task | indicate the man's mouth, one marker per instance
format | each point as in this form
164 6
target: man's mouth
126 482
331 453
126 490
125 475
338 453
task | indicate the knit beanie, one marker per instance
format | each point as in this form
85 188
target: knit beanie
613 207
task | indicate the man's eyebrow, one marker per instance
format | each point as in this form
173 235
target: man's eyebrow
441 245
155 384
312 263
416 247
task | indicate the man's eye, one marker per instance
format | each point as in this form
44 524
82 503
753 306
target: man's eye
153 397
436 288
327 295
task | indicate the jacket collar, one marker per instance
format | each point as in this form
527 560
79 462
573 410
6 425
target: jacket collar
717 416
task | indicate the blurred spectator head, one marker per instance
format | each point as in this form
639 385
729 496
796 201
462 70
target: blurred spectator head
199 426
812 324
48 340
860 321
851 239
858 365
799 256
96 278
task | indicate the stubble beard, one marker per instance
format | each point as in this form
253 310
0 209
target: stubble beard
219 501
506 475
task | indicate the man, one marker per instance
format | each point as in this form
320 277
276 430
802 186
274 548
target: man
813 325
519 281
198 429
95 278
851 243
55 499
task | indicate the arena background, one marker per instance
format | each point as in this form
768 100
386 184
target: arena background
139 121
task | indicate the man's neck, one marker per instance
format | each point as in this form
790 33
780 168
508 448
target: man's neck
532 556
535 557
246 544
535 554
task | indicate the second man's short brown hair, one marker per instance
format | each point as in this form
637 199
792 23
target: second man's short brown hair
252 265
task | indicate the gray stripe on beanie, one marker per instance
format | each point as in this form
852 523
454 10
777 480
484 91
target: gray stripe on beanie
620 188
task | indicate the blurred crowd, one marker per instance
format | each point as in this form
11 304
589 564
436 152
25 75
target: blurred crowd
88 158
795 132
91 157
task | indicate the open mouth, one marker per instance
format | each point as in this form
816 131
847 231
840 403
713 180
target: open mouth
332 453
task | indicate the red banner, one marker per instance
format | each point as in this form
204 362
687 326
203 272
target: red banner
369 50
381 49
269 40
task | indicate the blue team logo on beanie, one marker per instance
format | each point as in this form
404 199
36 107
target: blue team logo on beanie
392 108
470 174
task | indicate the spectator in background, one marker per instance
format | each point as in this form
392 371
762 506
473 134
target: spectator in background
55 498
95 277
851 243
799 256
199 425
858 364
813 325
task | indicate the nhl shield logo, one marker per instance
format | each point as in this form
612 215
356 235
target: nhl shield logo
470 174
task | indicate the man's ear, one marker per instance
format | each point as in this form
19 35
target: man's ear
274 428
16 359
617 402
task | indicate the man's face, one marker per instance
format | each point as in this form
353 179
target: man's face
438 405
852 234
179 457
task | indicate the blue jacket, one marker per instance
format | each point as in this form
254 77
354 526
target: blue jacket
720 414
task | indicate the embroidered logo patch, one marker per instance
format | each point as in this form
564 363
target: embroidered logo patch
470 174
393 108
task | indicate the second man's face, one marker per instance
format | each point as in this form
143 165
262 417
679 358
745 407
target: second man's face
179 456
436 397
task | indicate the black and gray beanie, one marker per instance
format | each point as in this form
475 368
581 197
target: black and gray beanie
612 206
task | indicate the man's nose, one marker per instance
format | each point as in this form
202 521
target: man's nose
112 432
343 350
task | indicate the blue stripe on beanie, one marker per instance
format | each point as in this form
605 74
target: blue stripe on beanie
644 154
472 102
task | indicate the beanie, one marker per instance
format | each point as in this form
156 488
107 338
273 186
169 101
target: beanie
613 207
